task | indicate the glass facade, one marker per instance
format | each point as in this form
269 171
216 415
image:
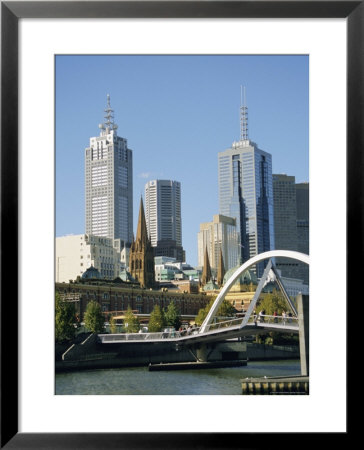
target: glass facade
246 194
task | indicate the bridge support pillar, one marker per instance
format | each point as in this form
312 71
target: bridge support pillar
303 323
202 353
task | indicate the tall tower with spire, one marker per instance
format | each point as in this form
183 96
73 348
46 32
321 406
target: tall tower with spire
109 184
141 257
246 191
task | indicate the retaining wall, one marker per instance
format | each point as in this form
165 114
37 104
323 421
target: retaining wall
92 354
257 352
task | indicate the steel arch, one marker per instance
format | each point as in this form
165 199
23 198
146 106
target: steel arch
254 260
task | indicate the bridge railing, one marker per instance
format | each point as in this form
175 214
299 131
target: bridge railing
230 323
271 319
224 324
140 336
258 319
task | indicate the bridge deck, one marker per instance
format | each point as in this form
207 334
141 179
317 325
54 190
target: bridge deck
208 336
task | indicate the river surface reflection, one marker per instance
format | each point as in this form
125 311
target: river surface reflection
139 381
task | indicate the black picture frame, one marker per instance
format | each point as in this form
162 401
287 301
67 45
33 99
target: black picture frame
11 12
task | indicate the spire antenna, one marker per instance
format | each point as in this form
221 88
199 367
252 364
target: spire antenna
109 123
243 116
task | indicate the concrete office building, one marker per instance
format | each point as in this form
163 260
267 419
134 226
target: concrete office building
291 223
303 226
219 235
109 184
285 221
246 193
163 217
76 253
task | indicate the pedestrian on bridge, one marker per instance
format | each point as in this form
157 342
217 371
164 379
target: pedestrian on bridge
284 317
275 315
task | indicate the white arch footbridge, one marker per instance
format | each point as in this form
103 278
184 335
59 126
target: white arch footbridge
248 325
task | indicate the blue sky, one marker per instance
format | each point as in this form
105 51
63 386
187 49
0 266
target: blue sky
177 113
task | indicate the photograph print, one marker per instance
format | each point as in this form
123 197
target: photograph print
182 225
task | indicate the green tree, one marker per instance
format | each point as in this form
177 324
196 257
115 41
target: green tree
131 321
201 316
273 302
156 320
172 316
112 323
94 319
65 317
226 309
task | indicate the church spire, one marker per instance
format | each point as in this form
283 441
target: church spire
243 116
142 233
206 272
141 255
220 270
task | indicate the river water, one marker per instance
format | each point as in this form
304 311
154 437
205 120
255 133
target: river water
139 381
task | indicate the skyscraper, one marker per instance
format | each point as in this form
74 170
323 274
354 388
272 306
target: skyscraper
109 184
291 223
246 192
285 212
163 217
285 221
303 226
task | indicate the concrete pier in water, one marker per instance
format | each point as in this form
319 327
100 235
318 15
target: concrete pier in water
275 385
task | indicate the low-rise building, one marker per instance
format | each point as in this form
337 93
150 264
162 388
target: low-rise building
168 269
76 253
117 296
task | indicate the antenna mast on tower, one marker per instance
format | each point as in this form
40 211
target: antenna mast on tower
109 117
243 116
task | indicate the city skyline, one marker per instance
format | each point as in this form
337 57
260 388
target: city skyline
177 113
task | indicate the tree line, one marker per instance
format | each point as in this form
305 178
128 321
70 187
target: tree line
66 320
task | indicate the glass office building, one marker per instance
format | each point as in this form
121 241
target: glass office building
246 194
